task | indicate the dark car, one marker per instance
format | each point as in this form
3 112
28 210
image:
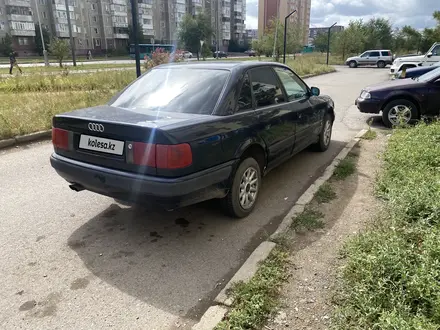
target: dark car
403 100
416 72
220 54
181 134
251 53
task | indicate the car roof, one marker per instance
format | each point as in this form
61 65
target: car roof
218 65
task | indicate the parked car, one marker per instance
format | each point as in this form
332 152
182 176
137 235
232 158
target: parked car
416 72
380 58
220 54
184 133
187 54
403 100
406 62
251 53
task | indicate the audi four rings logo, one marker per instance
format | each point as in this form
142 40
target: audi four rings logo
96 127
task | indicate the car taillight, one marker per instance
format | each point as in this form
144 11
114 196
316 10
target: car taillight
161 156
144 154
60 138
173 156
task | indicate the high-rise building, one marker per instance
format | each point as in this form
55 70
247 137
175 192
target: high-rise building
103 25
268 10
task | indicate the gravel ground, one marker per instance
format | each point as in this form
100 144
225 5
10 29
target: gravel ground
306 299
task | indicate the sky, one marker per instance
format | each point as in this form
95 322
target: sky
417 13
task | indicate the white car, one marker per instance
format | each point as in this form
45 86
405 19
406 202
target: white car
432 56
187 54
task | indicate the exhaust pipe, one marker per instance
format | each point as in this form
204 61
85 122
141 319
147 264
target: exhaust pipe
76 187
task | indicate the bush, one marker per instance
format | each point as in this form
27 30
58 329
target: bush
160 56
392 276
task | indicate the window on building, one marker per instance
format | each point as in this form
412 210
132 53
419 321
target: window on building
96 30
93 6
23 41
94 19
97 42
44 14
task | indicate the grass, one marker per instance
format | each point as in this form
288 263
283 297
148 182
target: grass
310 219
369 135
56 68
255 300
325 193
32 112
345 168
391 279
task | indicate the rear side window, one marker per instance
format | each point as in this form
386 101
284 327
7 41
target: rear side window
266 87
245 98
386 54
374 54
174 90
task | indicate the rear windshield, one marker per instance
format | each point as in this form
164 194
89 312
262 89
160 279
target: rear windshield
187 90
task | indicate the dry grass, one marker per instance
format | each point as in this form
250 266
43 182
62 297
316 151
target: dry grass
33 112
56 68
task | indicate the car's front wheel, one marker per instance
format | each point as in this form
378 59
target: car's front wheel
245 188
325 136
399 112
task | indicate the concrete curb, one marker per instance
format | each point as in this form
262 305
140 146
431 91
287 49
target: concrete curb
210 319
25 138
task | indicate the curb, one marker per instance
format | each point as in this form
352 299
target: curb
317 74
210 318
25 138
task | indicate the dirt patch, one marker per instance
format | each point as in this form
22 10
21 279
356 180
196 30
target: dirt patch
306 301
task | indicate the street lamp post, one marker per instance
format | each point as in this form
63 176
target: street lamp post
134 17
285 35
328 41
72 42
46 60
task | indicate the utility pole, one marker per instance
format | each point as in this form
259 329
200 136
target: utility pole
72 42
328 40
276 29
218 29
46 60
285 35
134 18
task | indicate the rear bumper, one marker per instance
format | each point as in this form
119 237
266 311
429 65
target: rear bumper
168 193
368 105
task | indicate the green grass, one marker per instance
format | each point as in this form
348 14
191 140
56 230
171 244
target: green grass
391 279
310 219
325 193
51 69
255 300
345 168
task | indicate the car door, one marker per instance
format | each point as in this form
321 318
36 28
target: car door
364 58
373 58
433 104
307 115
435 56
276 120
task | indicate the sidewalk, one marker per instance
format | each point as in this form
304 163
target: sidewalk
306 301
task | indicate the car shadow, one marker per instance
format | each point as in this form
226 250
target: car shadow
179 261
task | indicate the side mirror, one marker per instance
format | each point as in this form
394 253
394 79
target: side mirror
315 91
429 54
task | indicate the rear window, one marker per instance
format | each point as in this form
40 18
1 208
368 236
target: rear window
174 90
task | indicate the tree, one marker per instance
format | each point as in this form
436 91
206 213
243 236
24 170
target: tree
320 42
378 34
351 40
193 30
60 49
293 39
6 45
206 51
38 41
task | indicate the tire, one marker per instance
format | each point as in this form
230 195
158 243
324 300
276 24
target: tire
352 64
232 204
381 64
405 108
325 136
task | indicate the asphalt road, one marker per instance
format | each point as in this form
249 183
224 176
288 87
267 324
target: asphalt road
79 261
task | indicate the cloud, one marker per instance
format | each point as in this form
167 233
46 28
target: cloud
417 13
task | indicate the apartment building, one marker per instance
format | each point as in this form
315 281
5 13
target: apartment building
315 31
268 10
102 25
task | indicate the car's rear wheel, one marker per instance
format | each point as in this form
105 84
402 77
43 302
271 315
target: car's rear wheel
352 64
325 136
399 112
245 188
381 64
